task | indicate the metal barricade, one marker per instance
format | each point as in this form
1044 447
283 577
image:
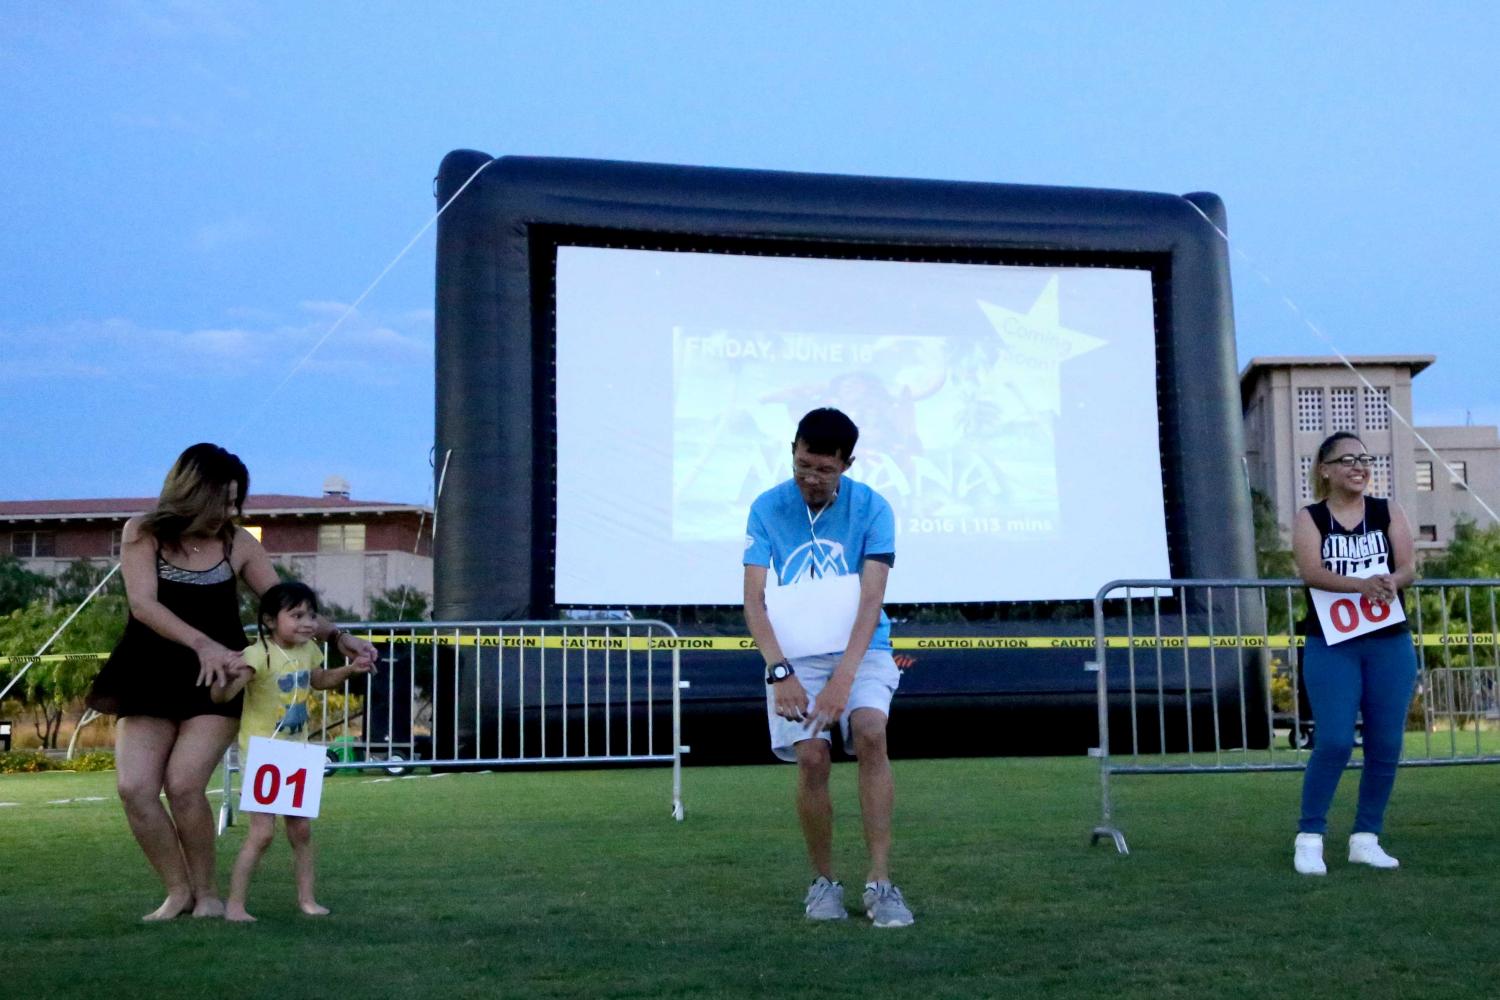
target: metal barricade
1202 676
476 694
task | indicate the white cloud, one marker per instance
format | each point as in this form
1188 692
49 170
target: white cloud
227 232
365 349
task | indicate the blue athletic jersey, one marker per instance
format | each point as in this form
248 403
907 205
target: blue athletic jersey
858 524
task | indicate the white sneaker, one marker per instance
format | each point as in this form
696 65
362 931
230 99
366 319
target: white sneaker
1365 849
1308 857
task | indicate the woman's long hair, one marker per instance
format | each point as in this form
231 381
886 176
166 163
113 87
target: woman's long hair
195 494
1319 484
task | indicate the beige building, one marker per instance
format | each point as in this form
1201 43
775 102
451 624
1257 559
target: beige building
348 550
1290 404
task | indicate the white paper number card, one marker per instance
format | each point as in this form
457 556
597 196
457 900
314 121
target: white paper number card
282 777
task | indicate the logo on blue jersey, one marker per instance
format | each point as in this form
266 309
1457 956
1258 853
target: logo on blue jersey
814 559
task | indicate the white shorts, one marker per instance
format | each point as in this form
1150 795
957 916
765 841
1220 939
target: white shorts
874 684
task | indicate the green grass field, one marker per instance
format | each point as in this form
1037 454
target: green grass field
578 884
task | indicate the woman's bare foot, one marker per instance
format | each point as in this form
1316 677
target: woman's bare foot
176 904
236 912
312 909
209 906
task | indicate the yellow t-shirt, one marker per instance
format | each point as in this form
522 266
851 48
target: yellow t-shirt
279 692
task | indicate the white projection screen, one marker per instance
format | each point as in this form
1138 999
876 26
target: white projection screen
1008 413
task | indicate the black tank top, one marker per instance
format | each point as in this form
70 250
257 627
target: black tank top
1351 553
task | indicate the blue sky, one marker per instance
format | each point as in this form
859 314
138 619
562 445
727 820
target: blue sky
193 192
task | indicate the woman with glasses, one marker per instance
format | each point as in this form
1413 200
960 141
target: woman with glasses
1350 543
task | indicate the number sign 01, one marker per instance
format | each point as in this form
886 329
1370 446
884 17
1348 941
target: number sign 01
282 777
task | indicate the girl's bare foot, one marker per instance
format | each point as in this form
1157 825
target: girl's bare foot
209 906
176 904
313 909
236 912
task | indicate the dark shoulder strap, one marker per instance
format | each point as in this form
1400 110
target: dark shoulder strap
1321 517
1377 514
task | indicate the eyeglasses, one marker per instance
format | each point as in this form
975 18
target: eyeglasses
1350 461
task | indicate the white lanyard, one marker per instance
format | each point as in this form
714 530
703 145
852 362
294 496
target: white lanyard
812 521
287 709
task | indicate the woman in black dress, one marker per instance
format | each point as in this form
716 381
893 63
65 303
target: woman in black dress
181 561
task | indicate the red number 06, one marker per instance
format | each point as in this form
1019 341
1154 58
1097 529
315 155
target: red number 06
1374 612
267 774
1343 614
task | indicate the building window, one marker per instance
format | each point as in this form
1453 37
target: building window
1304 477
254 531
1377 409
116 542
1310 410
1424 477
1427 533
1341 409
33 544
1380 476
1460 474
341 538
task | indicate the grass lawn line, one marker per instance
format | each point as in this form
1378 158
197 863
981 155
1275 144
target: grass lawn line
577 884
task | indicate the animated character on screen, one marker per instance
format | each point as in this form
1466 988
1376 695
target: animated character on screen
826 642
285 667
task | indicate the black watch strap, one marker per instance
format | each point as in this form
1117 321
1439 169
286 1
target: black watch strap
779 671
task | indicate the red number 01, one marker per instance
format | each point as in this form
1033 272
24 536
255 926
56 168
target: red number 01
265 796
268 775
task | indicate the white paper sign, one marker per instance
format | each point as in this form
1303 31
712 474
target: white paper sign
283 777
813 616
1347 616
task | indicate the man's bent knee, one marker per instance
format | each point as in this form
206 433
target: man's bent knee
868 729
814 760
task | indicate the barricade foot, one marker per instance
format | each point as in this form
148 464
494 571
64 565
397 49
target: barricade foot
1118 836
677 812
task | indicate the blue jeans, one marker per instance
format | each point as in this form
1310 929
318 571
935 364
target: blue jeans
1370 675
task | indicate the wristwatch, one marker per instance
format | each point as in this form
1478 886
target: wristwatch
779 671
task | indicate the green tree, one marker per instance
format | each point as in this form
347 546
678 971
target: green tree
50 687
73 584
1273 556
19 586
401 604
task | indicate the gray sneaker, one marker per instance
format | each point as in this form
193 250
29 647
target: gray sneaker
884 905
825 900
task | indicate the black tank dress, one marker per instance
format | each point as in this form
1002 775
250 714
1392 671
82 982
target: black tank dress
149 674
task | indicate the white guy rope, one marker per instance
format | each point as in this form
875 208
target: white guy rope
66 622
254 415
1297 311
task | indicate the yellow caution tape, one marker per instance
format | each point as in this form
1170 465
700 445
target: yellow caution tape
701 643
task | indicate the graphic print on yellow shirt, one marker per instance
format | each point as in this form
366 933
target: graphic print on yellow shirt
279 693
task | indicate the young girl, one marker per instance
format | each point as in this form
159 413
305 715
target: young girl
285 666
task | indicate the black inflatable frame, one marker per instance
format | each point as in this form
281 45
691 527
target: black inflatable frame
495 333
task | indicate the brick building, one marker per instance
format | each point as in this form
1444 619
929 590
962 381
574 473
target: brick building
348 550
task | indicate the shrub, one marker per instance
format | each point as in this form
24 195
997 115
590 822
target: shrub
94 760
25 762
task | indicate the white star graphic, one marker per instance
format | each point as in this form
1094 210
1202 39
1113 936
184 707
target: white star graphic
1035 345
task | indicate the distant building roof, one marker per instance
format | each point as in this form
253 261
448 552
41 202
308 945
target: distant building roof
264 504
1416 362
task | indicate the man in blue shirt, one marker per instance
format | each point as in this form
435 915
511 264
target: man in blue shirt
815 527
